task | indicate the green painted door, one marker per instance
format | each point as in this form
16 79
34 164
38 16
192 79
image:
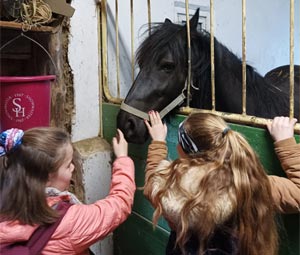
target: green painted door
136 235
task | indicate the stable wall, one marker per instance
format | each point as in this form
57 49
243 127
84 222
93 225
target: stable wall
84 61
96 152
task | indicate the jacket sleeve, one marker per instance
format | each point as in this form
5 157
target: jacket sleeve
93 222
157 153
286 191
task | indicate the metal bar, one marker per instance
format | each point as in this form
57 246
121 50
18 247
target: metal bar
235 118
244 82
292 73
132 39
104 54
189 51
149 15
117 48
99 71
212 56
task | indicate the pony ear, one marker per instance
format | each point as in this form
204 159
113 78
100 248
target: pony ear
167 21
194 20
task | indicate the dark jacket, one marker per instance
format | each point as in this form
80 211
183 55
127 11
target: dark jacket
220 244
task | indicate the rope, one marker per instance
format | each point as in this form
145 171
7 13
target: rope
35 13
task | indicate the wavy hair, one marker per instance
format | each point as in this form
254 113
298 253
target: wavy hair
24 173
223 186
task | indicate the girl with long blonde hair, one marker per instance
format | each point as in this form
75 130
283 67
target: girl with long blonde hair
217 197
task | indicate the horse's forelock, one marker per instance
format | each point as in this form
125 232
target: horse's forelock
162 36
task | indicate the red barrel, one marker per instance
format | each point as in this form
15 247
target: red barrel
25 101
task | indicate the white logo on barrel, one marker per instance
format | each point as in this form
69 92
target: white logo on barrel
19 107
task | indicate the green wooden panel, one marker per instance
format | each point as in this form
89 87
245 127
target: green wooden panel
137 237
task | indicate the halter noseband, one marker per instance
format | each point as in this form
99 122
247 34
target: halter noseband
143 115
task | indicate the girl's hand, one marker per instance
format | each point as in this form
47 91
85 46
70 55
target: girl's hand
157 130
120 145
281 128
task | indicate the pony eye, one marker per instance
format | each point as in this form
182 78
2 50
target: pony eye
168 67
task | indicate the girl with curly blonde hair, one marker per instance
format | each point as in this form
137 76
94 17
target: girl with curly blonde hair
217 197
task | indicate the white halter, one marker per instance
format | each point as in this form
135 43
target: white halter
143 115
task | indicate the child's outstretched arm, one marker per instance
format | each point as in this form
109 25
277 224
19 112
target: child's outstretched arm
286 191
85 224
120 145
157 150
157 153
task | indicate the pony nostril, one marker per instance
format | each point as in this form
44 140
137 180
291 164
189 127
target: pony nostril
133 128
131 125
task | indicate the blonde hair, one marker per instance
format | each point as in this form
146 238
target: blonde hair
229 188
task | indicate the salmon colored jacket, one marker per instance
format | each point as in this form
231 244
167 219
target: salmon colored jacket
83 225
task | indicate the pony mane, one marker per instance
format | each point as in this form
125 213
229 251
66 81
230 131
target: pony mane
266 96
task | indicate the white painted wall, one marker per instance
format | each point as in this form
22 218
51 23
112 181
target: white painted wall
83 58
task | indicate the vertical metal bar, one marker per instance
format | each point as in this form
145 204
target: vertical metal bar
292 58
212 56
149 15
104 44
104 65
189 51
99 72
244 82
132 39
117 48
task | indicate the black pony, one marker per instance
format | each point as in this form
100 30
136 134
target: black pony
163 58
